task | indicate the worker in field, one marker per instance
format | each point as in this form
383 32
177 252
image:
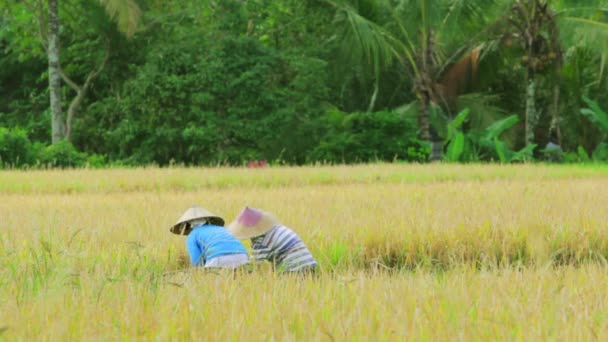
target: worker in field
208 243
272 241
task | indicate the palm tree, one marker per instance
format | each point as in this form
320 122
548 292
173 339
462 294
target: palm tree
542 28
125 12
436 42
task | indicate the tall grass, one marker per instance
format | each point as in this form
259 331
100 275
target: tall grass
406 252
196 179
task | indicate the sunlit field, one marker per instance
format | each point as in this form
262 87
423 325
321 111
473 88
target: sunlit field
415 252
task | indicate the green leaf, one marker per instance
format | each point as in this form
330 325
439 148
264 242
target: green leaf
582 154
523 153
456 124
501 150
500 126
600 154
595 114
460 118
455 148
438 121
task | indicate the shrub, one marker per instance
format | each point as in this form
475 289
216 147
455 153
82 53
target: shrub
365 137
96 161
600 154
62 154
15 148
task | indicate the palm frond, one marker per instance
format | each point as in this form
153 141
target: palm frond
408 110
467 11
588 22
484 110
363 39
468 25
465 19
583 25
126 13
586 28
595 114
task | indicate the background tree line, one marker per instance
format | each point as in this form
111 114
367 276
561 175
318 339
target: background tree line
204 82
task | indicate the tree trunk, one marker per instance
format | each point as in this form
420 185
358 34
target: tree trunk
424 117
531 113
81 91
436 153
555 129
555 118
58 127
72 110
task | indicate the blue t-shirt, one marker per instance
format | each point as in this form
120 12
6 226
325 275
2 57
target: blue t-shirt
209 241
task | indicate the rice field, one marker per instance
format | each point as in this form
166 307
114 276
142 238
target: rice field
407 252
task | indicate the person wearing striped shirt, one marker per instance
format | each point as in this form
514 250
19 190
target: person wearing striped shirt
272 241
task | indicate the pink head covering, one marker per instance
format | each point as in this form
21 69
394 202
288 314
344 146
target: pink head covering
249 217
252 222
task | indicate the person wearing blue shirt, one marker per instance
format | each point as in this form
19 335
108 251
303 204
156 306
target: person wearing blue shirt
208 243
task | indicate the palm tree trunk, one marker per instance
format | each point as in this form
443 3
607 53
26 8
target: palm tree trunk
424 117
57 123
555 120
557 70
531 113
424 123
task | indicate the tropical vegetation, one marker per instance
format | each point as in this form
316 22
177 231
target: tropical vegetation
139 82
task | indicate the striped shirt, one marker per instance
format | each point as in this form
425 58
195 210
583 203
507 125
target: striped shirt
284 249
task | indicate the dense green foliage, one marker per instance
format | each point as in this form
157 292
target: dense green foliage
292 81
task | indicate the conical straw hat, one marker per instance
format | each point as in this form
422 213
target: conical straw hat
195 213
252 222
